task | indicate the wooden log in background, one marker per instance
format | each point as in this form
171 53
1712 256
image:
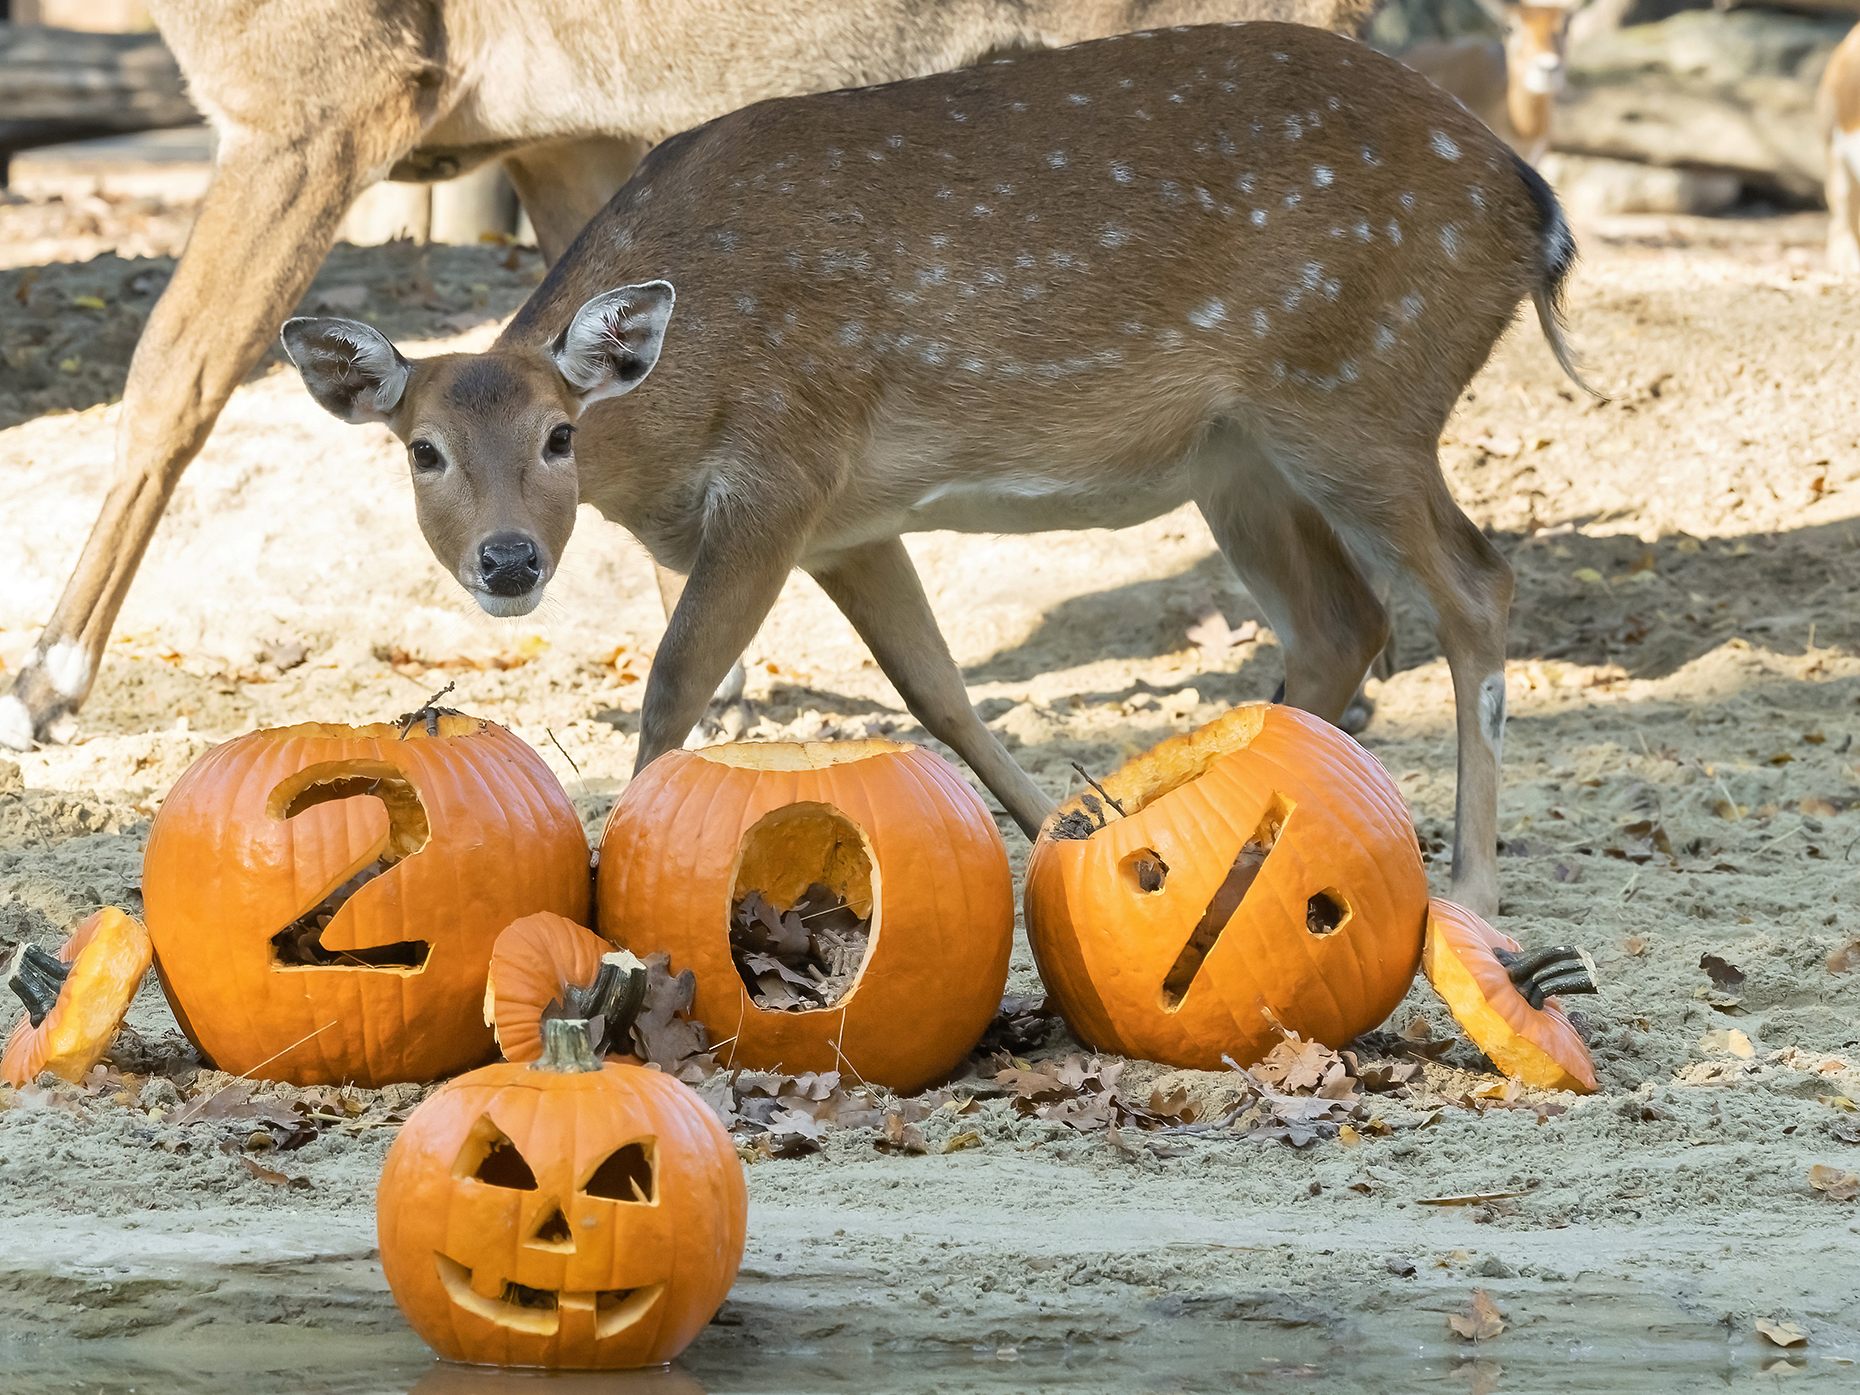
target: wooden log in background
59 85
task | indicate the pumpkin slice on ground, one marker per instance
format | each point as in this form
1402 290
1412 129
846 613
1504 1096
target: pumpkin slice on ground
1506 1000
75 999
544 966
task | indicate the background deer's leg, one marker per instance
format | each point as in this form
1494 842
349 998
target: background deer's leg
876 588
728 717
268 218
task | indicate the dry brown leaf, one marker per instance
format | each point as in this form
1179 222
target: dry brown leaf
1481 1321
1781 1334
1834 1183
271 1175
956 1142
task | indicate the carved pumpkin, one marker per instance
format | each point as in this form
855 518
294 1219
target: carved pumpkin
449 1378
1263 876
1506 1000
546 961
563 1214
888 829
74 999
323 899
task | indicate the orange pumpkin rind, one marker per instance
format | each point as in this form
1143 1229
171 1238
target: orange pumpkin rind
75 999
1507 1000
891 829
1256 875
546 965
565 1214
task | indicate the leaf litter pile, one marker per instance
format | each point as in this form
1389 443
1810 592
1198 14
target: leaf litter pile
804 957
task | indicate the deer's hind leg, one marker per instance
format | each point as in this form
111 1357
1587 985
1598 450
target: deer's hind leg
1322 608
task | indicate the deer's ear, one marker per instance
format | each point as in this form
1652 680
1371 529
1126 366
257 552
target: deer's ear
349 367
614 340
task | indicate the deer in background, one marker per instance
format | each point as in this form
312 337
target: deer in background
1248 266
315 100
1512 82
1837 106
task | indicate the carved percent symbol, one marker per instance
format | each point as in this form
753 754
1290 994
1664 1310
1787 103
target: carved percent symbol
1325 912
299 945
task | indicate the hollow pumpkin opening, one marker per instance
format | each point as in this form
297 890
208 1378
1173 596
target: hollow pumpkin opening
299 945
797 755
1223 905
1166 768
803 908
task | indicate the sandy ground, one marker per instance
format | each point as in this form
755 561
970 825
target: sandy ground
1681 782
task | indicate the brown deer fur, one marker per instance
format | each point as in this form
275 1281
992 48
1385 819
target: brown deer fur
1251 266
314 100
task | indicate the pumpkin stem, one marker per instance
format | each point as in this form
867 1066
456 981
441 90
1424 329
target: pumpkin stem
428 712
1549 972
566 1048
614 999
37 977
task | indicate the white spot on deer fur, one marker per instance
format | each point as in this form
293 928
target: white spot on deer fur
1293 199
745 305
1114 236
895 140
1247 182
1171 193
1017 107
1411 307
1259 217
1348 371
1065 261
1127 83
875 156
1176 98
1025 261
1122 172
1262 323
1056 159
1171 338
1131 327
1476 197
1370 157
67 667
1394 232
1204 198
1450 241
1332 288
1229 85
1384 339
1323 176
935 353
15 725
1078 99
982 210
851 334
1294 128
1207 316
1032 291
946 193
1362 230
1141 113
939 240
1443 145
1407 200
933 276
1278 57
975 366
1006 191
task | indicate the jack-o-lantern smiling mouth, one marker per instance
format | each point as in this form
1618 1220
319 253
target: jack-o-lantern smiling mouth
539 1310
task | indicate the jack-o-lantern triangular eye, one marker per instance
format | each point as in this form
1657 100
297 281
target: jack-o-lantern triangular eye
626 1174
490 1157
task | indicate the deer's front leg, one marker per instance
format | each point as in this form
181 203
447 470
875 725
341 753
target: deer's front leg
876 588
732 586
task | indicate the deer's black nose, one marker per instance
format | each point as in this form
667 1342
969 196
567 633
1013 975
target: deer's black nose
508 564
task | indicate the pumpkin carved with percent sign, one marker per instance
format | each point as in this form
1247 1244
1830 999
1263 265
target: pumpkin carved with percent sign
323 899
566 1213
1254 877
881 838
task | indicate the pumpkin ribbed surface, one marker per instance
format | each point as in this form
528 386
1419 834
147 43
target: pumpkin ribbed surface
1265 878
425 847
892 827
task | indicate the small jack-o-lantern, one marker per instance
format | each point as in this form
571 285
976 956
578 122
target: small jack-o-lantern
74 999
545 965
1257 876
1507 999
565 1213
323 899
842 904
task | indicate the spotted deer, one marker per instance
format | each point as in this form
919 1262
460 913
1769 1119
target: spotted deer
313 101
1511 82
1837 106
1248 266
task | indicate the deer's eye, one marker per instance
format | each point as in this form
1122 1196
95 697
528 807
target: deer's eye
561 440
426 457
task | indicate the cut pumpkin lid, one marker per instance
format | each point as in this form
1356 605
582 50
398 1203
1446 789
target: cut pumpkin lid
75 999
545 967
798 755
1506 1000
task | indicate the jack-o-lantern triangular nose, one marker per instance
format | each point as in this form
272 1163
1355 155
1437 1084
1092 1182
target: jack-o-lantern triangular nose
553 1233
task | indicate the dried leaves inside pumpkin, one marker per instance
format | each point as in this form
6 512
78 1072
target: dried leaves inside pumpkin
804 956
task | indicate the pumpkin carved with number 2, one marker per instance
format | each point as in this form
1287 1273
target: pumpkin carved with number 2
566 1213
323 899
1262 878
